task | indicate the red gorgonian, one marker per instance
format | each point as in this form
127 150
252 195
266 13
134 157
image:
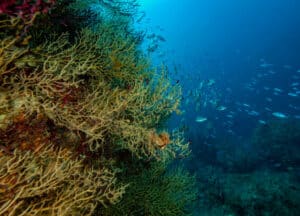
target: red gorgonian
25 9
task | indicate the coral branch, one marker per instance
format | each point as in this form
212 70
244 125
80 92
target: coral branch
50 182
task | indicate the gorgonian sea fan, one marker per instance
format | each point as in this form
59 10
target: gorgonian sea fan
25 9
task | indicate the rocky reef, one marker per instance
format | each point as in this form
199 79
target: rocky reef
82 114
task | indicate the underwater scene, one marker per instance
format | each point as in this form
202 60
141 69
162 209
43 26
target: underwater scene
149 107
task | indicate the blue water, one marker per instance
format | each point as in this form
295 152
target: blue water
243 56
228 42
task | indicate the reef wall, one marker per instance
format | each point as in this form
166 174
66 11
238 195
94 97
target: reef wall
82 114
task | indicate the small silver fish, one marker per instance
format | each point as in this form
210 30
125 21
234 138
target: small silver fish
201 119
292 94
262 121
279 115
221 108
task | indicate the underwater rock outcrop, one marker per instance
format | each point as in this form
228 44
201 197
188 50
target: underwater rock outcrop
278 143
